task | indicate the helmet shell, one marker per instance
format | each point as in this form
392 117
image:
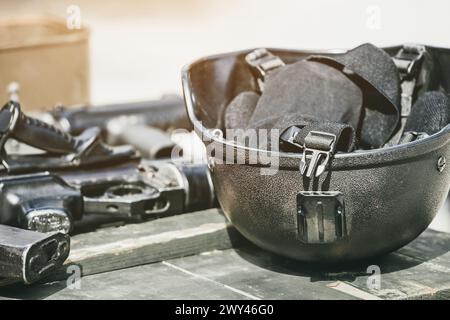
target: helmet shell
391 194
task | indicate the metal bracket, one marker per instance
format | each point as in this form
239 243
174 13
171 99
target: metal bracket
263 62
289 137
408 59
321 216
321 146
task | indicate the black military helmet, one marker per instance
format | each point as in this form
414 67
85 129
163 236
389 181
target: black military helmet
362 139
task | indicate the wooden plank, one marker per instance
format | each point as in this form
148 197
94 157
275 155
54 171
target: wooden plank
258 273
417 271
227 274
6 281
153 241
167 238
431 246
420 270
153 281
251 273
405 278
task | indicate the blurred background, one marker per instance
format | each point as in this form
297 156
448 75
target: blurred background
136 48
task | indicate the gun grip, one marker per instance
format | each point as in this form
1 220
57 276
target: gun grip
40 202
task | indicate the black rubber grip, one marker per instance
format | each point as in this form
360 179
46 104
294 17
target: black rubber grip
43 136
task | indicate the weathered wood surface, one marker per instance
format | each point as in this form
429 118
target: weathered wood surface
227 274
162 239
420 270
136 244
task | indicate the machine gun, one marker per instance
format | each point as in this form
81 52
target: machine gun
80 175
169 111
144 125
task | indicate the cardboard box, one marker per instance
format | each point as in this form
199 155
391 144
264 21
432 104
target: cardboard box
48 60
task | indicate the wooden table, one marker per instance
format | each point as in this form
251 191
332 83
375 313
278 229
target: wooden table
201 256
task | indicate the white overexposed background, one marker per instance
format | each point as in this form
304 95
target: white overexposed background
139 46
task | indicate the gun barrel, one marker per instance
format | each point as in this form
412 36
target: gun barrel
151 142
163 113
200 193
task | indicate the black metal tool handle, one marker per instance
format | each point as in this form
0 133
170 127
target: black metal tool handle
15 124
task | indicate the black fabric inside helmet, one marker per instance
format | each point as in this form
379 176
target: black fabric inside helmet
430 113
359 89
311 89
240 110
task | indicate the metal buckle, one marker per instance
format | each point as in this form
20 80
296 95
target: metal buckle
289 135
324 146
263 62
407 59
406 97
321 216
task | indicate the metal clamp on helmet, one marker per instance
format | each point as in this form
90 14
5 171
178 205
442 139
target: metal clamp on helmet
320 140
323 145
320 214
408 59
